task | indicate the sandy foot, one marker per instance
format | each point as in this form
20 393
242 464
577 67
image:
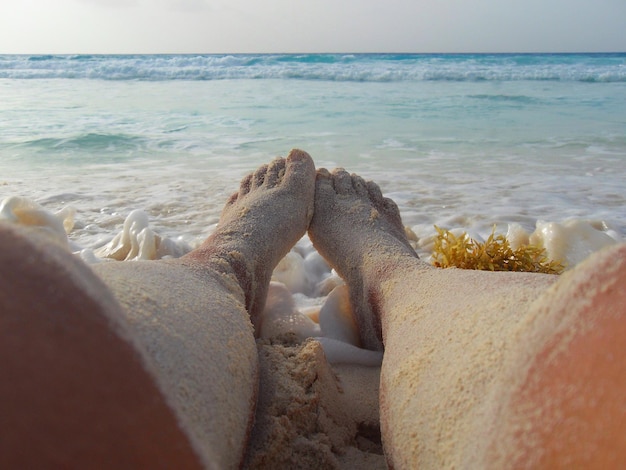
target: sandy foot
360 233
260 223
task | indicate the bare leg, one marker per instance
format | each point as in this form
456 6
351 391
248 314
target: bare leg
193 314
74 392
564 404
449 335
347 211
190 318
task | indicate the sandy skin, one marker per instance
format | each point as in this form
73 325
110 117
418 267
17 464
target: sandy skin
480 368
67 363
166 346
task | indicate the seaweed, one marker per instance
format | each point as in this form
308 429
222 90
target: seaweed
495 254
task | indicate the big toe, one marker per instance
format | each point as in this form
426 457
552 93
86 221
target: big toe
300 170
323 185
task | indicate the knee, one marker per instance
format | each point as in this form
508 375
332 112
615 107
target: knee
73 389
569 411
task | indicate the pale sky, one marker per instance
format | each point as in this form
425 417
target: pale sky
231 26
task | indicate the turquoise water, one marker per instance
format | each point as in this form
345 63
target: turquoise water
457 140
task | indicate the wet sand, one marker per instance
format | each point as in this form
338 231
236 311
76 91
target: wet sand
313 415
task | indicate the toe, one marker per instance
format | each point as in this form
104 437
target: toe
391 210
246 183
232 199
297 155
390 207
342 181
275 172
259 176
324 191
376 196
323 175
359 185
299 170
323 182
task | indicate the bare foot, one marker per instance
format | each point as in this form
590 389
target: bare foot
480 368
360 233
260 223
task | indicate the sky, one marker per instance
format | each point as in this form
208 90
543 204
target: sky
240 26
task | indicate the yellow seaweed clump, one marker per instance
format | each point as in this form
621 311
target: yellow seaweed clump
495 254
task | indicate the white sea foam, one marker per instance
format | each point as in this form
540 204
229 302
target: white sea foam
332 67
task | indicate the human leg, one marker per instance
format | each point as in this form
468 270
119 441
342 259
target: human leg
186 322
192 314
564 405
446 333
74 390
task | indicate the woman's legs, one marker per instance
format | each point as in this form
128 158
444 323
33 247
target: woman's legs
449 335
70 342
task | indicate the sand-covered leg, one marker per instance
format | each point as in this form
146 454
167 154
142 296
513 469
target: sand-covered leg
191 315
565 406
360 234
74 391
261 223
445 332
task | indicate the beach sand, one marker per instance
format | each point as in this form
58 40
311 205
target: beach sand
311 414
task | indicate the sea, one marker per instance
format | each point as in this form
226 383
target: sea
459 141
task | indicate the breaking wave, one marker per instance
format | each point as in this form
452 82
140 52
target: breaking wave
327 67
